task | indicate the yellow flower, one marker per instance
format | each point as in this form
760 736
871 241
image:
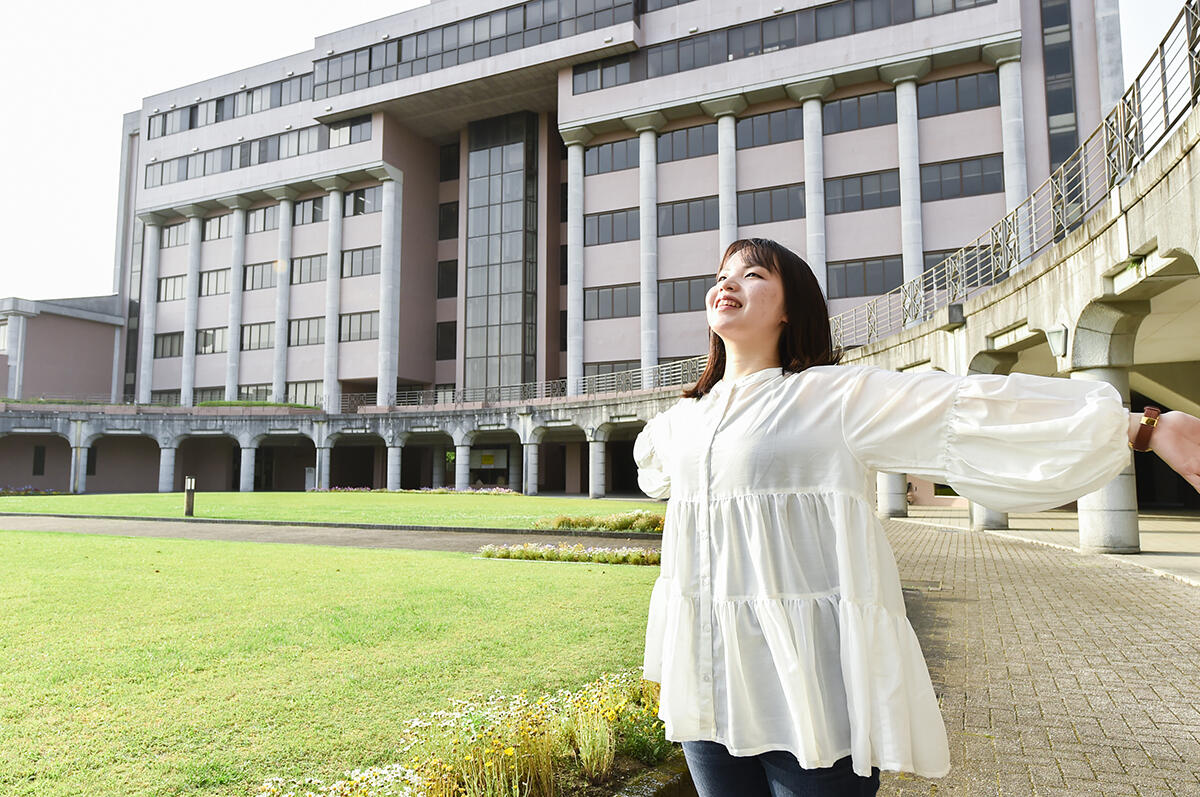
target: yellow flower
509 751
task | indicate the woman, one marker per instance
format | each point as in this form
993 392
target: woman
777 626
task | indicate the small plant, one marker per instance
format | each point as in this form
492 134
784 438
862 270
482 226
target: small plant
27 490
573 553
638 520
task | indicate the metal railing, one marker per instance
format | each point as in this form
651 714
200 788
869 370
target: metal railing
1165 90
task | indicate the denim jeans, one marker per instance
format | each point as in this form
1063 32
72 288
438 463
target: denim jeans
776 773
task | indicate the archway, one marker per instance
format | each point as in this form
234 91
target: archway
213 460
41 461
358 460
285 462
122 464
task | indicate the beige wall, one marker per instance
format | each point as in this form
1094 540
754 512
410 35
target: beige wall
16 461
124 465
67 357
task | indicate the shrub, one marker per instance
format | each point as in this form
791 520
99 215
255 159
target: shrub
564 552
638 520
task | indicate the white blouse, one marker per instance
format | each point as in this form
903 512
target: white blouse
777 621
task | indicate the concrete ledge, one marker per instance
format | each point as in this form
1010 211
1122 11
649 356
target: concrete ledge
669 779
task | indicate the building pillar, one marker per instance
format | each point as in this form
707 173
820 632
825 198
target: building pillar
647 126
905 76
148 307
891 494
191 307
596 475
394 453
726 110
462 466
283 291
332 401
530 469
1007 58
1000 363
439 467
246 472
323 461
16 354
1108 53
389 289
237 262
79 457
811 94
166 469
1108 517
575 138
514 466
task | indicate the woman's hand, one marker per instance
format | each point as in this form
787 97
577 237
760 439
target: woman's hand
1176 440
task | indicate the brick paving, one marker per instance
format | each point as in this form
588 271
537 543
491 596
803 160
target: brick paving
1058 673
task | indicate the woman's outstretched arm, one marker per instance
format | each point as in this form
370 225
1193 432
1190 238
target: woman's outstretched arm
1176 440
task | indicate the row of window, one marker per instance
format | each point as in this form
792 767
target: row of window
308 392
301 332
968 177
231 106
261 150
622 301
766 205
611 227
955 94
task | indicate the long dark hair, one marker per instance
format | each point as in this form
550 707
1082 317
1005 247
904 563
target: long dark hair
806 339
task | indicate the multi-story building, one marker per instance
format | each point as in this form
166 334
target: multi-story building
458 197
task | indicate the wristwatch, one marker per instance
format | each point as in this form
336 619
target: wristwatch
1141 442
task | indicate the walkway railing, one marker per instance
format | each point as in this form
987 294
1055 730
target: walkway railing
1165 90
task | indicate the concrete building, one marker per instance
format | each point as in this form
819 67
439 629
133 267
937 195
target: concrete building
459 198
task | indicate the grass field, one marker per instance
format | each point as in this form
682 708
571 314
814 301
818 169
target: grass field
413 508
173 667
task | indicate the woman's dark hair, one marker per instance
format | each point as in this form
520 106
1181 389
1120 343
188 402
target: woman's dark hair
805 340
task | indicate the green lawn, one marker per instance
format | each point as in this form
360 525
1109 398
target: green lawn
420 509
172 667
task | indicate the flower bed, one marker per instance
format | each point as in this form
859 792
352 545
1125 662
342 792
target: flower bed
573 553
27 490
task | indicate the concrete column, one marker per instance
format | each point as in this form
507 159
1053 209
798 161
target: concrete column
195 228
1108 53
148 307
439 466
79 455
905 76
514 466
393 466
1007 58
1000 363
16 355
530 471
811 94
246 472
333 290
237 262
575 138
1108 518
647 127
596 475
323 467
462 467
389 291
726 110
166 469
891 493
283 291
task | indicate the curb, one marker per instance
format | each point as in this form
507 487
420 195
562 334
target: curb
669 779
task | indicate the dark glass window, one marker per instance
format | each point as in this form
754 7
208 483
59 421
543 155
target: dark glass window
689 215
610 227
683 295
969 177
447 221
611 157
447 279
771 204
611 301
447 340
770 128
862 192
855 113
956 94
690 142
448 162
871 277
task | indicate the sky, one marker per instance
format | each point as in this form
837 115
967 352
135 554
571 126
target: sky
77 67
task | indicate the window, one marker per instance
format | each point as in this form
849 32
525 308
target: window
165 398
770 128
690 215
168 344
683 295
562 264
956 94
447 279
970 177
211 341
350 131
856 113
258 336
39 460
862 192
771 204
309 211
306 331
610 227
1061 121
614 367
447 221
360 262
214 282
237 156
305 393
170 289
691 142
220 109
202 395
447 340
217 227
562 330
448 162
612 301
872 277
612 157
258 275
263 219
258 392
358 326
90 468
601 74
174 235
363 200
4 337
308 269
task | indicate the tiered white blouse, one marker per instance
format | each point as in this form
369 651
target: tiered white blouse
777 621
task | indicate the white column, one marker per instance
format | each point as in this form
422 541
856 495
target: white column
166 469
811 94
596 475
514 466
905 76
439 466
1108 518
530 470
237 260
394 454
647 127
891 495
283 291
323 461
333 290
389 292
195 228
462 467
16 355
246 472
575 138
148 308
726 110
79 456
1007 58
1108 53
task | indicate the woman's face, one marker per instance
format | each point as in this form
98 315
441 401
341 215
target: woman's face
746 305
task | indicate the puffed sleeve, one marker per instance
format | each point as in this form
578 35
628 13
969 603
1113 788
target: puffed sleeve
649 452
1015 443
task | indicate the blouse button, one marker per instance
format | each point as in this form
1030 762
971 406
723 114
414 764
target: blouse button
707 677
707 628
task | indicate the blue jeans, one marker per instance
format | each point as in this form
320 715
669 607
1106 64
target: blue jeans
776 773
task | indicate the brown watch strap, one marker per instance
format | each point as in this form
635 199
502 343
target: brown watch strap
1141 442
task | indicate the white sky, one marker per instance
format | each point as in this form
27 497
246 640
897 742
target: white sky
78 66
